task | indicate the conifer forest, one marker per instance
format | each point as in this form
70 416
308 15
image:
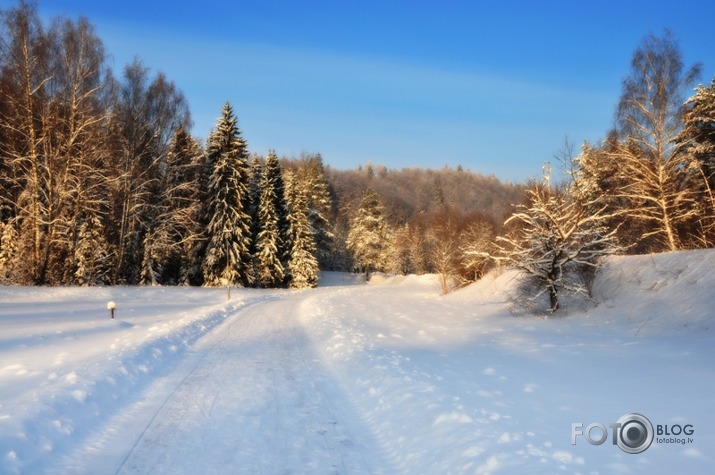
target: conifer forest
103 183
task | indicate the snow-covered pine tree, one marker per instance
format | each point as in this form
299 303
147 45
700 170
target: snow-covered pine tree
698 135
92 256
269 268
193 274
302 265
369 236
696 144
8 253
186 202
320 204
228 223
254 184
281 204
254 192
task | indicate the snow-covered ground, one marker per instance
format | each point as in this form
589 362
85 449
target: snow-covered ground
351 378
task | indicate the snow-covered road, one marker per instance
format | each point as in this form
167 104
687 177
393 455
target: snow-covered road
250 397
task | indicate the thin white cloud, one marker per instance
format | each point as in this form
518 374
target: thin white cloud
295 99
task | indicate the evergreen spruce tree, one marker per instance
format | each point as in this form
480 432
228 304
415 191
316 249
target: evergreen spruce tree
193 273
696 144
254 191
280 203
302 265
92 256
8 253
270 271
254 187
319 208
698 135
369 237
228 222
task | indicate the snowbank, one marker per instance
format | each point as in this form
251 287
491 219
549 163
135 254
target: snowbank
666 294
335 279
66 365
424 282
656 294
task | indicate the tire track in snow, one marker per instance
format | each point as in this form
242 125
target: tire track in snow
343 407
181 383
106 443
320 306
256 399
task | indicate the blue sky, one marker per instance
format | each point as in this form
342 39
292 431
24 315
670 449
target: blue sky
492 85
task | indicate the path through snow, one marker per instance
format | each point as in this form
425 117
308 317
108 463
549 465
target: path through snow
252 397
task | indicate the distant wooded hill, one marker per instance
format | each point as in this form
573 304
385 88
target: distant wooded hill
409 192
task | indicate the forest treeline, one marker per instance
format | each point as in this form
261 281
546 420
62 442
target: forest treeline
411 201
648 187
101 182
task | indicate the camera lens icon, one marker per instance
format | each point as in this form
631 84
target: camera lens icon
635 433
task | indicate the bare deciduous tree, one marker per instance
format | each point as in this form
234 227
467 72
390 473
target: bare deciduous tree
25 73
477 248
147 114
444 237
52 120
554 234
648 122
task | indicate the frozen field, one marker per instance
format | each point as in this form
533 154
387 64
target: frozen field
351 378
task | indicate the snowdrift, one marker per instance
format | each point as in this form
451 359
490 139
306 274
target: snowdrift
666 294
669 293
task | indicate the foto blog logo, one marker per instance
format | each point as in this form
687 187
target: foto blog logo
633 433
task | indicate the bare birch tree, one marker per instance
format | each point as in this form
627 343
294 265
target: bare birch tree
25 74
75 148
52 90
445 254
477 248
648 121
